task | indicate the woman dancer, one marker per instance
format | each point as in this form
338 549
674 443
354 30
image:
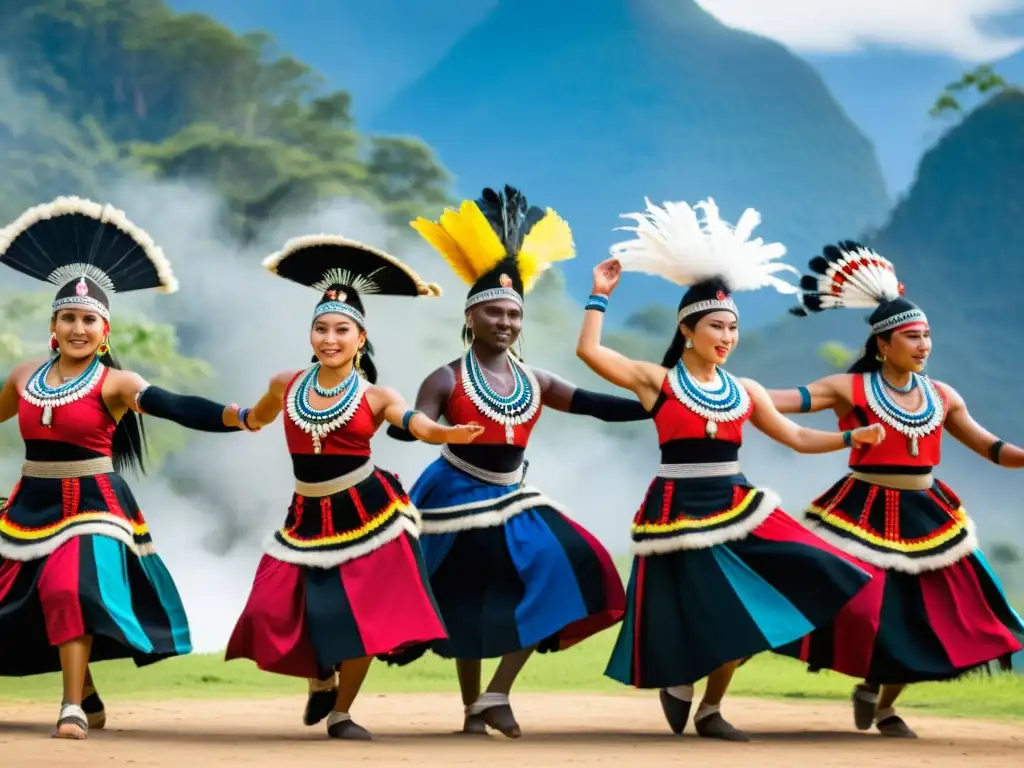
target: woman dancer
343 579
79 577
512 573
934 608
719 573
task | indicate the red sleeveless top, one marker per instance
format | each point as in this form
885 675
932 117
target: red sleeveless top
894 451
675 421
86 422
461 409
352 439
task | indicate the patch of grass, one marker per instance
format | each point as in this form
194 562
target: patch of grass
577 669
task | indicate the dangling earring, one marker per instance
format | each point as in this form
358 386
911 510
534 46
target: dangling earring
54 345
689 344
880 357
104 348
520 355
359 358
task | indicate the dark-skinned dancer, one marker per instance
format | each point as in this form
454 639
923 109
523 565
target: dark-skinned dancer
511 572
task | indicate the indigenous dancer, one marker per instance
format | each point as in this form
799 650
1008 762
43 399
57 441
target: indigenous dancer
79 577
719 573
934 608
510 570
343 579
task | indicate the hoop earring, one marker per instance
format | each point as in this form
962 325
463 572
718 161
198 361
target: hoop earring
467 338
104 348
688 344
54 345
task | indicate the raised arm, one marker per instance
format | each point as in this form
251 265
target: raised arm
125 390
434 392
397 412
561 395
825 394
962 426
801 439
642 378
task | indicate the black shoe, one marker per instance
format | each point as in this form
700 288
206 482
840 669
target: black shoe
502 719
319 705
864 701
894 727
676 711
474 725
350 730
92 705
717 727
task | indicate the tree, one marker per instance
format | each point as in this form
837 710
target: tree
982 80
150 349
838 356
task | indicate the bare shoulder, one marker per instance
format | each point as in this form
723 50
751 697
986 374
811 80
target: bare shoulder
443 377
20 374
948 391
754 388
654 375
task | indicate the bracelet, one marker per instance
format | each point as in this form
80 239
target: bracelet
406 418
805 399
848 438
596 301
243 414
993 452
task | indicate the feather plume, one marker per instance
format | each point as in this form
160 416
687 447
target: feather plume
548 241
675 243
466 240
848 275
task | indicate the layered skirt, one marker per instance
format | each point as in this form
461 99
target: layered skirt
76 559
342 579
509 569
934 608
719 574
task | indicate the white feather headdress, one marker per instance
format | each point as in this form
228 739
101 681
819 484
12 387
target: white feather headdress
676 244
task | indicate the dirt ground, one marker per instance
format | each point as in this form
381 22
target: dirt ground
416 729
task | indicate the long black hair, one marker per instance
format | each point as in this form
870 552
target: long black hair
706 288
869 362
129 443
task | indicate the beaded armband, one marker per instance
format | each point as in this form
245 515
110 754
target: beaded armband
406 418
596 301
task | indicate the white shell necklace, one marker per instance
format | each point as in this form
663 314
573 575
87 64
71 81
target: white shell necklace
726 400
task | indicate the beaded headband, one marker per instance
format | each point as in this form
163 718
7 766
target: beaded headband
721 303
899 320
339 308
493 294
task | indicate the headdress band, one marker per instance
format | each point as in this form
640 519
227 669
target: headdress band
82 299
339 308
494 294
722 302
899 320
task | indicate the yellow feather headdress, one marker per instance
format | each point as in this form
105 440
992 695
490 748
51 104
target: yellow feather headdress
498 244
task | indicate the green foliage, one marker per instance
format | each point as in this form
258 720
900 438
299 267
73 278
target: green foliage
132 84
838 356
982 80
148 348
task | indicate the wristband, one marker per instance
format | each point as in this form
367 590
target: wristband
993 452
805 399
848 438
243 419
596 301
406 418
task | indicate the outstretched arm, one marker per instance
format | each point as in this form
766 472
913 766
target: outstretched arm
561 395
962 426
822 395
419 425
8 399
270 403
801 439
642 378
125 391
430 400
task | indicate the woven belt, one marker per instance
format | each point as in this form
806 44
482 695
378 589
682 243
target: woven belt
711 469
515 477
897 482
335 485
66 470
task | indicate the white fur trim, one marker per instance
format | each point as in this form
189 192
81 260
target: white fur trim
104 213
111 528
336 717
896 561
487 700
332 558
682 693
361 283
769 502
706 710
491 519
